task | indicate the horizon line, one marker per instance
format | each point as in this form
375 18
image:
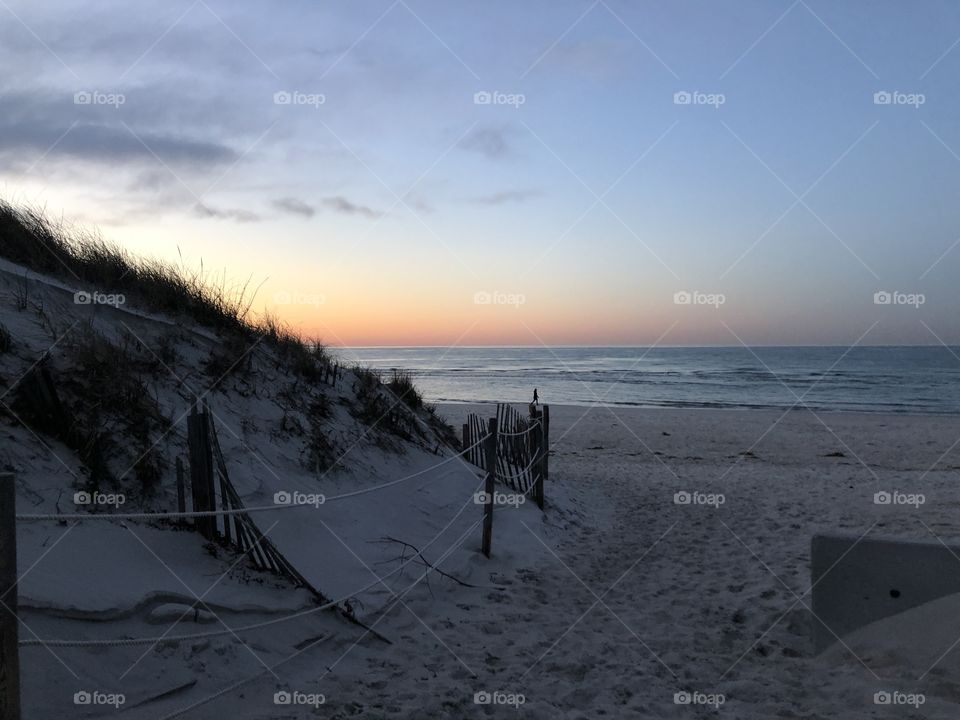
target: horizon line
630 346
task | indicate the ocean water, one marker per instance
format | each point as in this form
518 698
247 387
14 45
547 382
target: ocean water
866 379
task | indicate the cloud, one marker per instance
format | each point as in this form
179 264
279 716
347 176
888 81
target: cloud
243 216
507 196
294 207
493 142
102 143
340 204
47 122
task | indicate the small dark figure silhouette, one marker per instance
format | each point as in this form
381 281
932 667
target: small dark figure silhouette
536 398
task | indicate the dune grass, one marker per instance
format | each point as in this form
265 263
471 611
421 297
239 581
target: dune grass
29 238
84 259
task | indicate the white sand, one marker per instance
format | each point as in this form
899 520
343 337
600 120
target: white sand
606 606
708 601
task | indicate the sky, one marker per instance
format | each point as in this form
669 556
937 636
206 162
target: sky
560 172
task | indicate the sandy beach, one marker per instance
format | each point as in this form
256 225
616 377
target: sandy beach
279 280
644 598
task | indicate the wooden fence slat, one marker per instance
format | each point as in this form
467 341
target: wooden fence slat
222 471
181 496
489 486
9 632
201 469
546 443
248 536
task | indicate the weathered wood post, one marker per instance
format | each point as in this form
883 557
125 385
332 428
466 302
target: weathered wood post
546 441
224 491
9 650
201 470
538 450
181 494
490 445
466 439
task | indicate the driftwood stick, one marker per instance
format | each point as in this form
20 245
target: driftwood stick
407 546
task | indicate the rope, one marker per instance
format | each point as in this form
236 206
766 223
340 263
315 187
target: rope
240 683
240 511
517 434
122 642
521 474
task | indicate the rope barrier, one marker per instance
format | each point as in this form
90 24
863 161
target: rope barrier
240 511
125 642
522 473
517 434
237 685
122 642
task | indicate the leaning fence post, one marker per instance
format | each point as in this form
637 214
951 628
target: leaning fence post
546 445
490 445
201 471
538 440
181 496
9 657
208 459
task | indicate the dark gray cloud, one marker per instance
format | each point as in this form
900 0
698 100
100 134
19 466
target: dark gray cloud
51 124
236 214
340 204
294 207
493 142
507 196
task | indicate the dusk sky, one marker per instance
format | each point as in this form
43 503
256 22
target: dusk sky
386 168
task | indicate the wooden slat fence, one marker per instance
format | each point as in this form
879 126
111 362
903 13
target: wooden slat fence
516 447
473 431
218 493
518 436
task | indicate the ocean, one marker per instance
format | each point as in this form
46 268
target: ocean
865 379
